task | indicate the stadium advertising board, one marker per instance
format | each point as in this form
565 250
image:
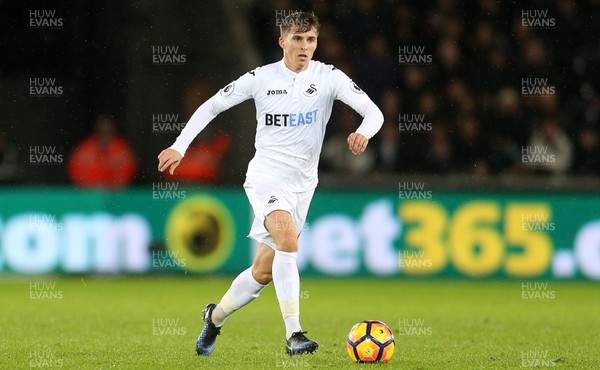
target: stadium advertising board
348 233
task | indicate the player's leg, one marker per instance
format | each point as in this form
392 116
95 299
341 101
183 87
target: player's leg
286 277
245 288
286 280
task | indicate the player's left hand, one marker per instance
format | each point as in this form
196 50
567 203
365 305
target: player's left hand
357 143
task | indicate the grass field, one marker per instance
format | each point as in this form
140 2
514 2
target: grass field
153 322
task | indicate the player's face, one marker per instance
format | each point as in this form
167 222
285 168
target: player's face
298 49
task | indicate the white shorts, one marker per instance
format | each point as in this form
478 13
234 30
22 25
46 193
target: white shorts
266 196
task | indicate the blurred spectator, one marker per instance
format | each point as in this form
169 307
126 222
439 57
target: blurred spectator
450 57
336 155
390 104
508 119
203 160
504 156
103 159
470 146
550 149
363 21
439 158
9 160
377 58
587 162
388 148
335 52
429 105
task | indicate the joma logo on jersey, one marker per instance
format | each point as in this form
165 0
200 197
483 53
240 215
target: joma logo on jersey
276 92
291 120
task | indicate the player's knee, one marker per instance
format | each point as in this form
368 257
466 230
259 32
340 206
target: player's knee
262 274
287 243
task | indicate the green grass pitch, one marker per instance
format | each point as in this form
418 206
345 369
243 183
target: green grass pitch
152 322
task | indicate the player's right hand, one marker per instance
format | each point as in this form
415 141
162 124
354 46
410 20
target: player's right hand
169 159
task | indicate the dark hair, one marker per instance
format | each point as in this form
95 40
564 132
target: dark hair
300 22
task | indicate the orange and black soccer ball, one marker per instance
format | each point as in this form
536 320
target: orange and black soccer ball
370 341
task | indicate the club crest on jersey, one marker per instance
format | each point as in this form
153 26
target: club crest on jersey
354 87
227 90
311 91
276 92
273 200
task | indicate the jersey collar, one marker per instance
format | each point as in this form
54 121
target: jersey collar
289 72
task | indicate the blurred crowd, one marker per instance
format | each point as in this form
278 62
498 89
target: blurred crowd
479 87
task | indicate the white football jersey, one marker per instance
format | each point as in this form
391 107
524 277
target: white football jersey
292 111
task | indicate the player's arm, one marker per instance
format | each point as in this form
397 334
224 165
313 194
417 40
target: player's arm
349 93
236 92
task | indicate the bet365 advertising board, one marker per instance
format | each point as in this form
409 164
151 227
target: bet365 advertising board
171 229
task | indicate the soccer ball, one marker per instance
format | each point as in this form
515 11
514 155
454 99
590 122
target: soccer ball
370 341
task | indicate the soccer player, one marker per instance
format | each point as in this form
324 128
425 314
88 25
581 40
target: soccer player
293 99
